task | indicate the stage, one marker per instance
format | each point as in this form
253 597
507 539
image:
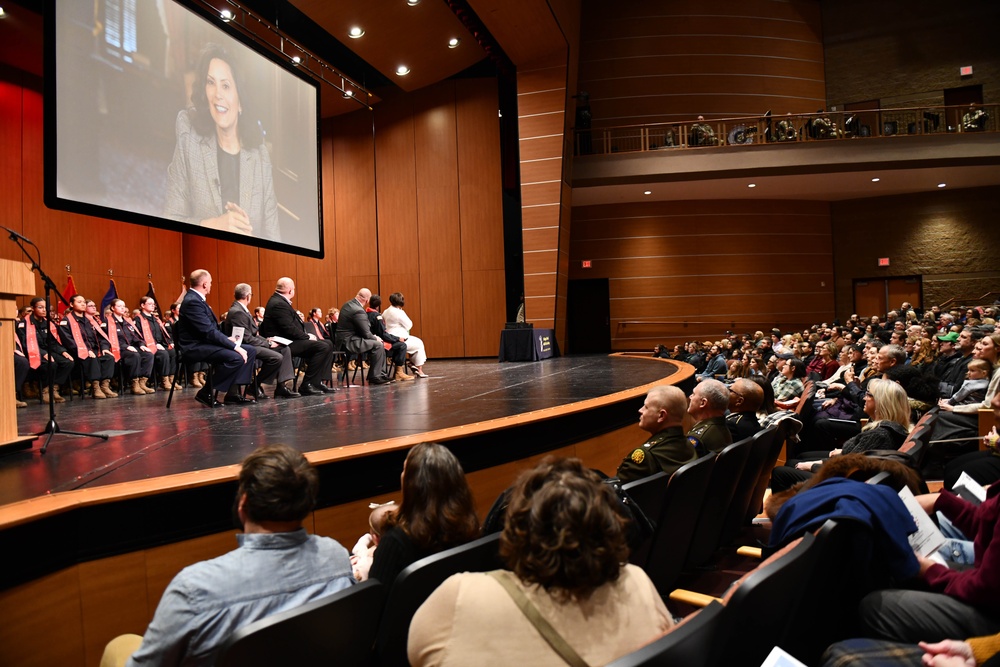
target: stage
149 441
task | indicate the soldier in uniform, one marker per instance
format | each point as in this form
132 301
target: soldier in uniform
661 415
745 398
709 402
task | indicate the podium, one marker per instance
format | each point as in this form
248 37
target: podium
16 279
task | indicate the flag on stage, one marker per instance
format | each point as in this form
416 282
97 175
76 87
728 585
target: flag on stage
151 293
109 296
68 294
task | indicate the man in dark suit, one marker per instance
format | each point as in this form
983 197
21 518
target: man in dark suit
275 360
280 320
354 334
200 340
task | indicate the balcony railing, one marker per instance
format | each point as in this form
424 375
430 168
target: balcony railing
791 128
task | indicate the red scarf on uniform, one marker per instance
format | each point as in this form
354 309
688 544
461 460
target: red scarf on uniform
31 339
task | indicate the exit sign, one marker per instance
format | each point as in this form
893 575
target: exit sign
965 71
587 264
883 261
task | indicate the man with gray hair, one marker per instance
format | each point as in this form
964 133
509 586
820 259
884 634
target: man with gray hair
275 360
662 416
708 405
281 320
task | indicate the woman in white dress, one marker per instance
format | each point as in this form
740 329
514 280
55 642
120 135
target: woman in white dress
398 324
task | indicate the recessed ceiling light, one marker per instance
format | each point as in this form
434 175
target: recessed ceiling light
296 60
648 192
454 42
402 70
751 185
941 185
413 3
348 94
355 32
876 180
226 15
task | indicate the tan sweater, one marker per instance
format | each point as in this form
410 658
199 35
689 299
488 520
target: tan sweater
471 620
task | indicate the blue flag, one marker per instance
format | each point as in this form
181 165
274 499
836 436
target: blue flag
111 295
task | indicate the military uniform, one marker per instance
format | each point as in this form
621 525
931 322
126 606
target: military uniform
709 435
742 425
666 451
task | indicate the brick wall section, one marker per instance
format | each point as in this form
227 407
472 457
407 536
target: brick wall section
948 238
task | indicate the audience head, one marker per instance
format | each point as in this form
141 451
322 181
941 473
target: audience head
375 302
794 368
436 510
277 485
981 368
664 406
363 295
201 280
562 531
988 348
889 356
378 519
745 396
710 398
316 313
285 287
259 312
767 404
886 401
396 299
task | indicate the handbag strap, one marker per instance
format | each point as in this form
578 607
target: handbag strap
547 632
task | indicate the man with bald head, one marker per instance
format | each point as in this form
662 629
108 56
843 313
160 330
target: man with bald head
709 402
280 320
662 416
354 334
745 399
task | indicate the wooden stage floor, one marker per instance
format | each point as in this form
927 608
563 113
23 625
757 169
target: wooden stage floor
148 441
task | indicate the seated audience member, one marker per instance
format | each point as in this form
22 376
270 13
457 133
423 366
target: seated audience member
788 384
566 549
354 334
708 405
959 423
275 360
954 354
889 412
316 326
201 340
745 399
973 390
923 354
278 566
824 364
35 333
662 416
947 653
280 319
399 324
157 339
129 348
958 602
436 512
982 466
396 347
89 347
715 364
364 550
21 368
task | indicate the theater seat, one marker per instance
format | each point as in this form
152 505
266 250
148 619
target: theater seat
690 644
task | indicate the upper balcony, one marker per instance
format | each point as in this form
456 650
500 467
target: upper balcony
824 156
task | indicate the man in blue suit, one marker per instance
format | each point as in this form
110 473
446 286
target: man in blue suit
200 340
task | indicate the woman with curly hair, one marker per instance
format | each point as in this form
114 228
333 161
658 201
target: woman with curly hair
564 545
435 513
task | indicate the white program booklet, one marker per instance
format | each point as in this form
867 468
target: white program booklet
928 538
238 335
281 340
969 489
781 658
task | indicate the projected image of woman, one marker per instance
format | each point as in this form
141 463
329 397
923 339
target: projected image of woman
220 175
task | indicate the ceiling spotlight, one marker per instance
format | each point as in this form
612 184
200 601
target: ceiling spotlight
355 32
751 185
941 185
413 3
296 60
226 15
402 70
453 42
348 94
876 180
648 192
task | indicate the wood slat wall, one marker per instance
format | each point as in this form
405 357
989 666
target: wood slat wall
411 204
649 61
706 267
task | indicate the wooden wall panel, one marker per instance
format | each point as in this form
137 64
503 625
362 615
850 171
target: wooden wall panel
650 61
395 166
441 314
439 241
47 609
10 164
354 201
482 293
680 265
113 600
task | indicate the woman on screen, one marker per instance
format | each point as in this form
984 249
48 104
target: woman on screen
220 175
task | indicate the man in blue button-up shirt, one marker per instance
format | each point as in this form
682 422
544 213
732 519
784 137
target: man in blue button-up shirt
276 567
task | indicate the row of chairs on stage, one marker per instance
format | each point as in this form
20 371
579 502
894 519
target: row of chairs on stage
801 599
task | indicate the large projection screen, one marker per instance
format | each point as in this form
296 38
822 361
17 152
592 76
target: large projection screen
156 115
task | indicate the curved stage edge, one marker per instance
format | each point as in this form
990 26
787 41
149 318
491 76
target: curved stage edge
105 554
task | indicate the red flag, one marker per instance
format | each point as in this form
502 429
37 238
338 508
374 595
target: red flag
68 294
